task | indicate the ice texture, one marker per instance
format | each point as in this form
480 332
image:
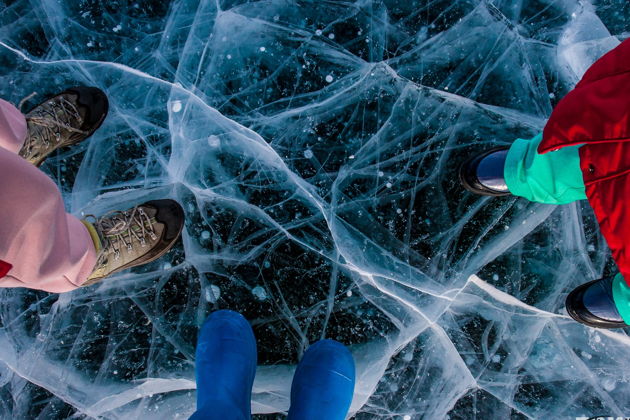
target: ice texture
314 146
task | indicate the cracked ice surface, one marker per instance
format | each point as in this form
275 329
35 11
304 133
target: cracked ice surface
314 146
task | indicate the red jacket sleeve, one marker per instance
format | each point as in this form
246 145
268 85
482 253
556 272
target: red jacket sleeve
598 109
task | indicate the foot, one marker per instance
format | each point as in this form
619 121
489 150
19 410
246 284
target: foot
323 384
483 174
225 367
592 304
63 120
136 236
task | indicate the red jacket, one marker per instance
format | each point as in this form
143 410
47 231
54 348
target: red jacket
597 114
4 268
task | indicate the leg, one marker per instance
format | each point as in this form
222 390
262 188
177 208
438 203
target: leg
323 384
42 247
556 178
49 249
552 178
12 127
225 366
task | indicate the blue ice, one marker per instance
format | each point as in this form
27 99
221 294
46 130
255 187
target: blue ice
314 146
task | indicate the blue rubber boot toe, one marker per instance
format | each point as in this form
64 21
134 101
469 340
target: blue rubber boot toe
225 367
323 384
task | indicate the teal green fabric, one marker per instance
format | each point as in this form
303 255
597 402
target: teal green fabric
551 178
621 296
554 178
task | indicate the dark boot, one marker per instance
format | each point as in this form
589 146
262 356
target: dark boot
63 120
592 304
483 174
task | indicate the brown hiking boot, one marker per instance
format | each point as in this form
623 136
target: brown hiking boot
136 236
63 120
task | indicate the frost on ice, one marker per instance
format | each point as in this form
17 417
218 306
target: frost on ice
314 146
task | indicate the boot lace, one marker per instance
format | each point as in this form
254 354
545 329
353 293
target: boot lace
119 228
51 117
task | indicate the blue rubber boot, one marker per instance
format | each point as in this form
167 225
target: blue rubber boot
323 384
225 367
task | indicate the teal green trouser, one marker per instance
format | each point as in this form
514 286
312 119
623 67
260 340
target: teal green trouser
554 178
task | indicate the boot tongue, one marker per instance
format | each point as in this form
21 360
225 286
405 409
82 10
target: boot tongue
490 171
598 300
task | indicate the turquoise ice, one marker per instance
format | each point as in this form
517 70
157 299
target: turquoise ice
314 146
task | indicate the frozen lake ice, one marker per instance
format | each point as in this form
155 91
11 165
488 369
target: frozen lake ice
314 146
